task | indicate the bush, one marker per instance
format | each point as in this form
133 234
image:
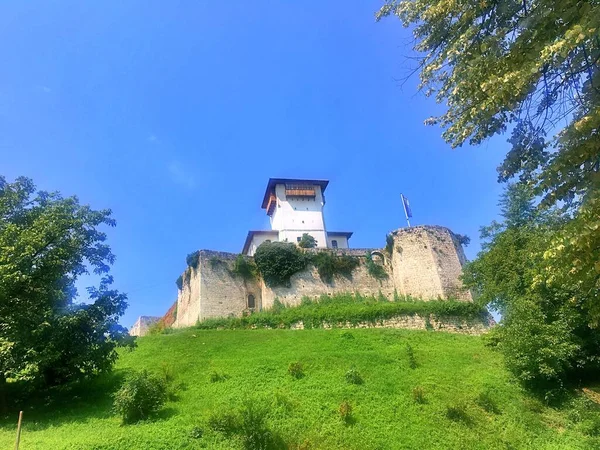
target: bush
458 413
487 403
254 431
418 395
296 370
346 335
278 261
250 423
196 432
353 377
307 241
345 411
141 395
179 282
244 267
342 309
216 377
412 361
377 271
225 422
277 306
193 259
328 265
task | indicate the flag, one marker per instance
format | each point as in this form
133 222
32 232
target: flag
407 209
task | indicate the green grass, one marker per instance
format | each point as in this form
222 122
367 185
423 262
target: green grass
344 308
467 398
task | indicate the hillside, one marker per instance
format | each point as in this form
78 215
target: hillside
452 370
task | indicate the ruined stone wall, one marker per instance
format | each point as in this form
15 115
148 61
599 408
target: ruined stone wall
188 299
457 325
214 290
426 262
308 283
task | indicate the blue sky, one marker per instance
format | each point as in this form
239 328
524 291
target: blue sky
175 114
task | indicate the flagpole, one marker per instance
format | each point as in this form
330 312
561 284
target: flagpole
405 212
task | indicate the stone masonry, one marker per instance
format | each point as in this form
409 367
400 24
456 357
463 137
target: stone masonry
425 262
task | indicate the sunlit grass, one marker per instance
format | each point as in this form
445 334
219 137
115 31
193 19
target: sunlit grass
466 398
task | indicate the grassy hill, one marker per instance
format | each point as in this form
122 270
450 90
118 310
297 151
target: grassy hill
469 400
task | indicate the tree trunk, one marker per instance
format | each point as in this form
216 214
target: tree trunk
3 386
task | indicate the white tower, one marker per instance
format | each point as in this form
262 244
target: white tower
295 207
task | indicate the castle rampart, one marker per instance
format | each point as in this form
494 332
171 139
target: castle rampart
425 262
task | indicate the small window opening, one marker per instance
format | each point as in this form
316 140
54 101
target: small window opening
298 238
251 301
334 244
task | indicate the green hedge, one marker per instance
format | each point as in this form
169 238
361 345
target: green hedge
346 308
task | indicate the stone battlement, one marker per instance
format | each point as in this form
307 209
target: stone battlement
425 262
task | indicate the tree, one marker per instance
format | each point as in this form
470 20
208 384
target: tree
307 241
46 243
532 66
278 261
544 335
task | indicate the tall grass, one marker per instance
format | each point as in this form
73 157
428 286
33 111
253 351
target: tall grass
346 308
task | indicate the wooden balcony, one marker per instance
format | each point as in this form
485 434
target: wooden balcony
292 190
271 205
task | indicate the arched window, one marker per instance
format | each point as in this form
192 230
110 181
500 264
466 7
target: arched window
334 244
251 301
377 257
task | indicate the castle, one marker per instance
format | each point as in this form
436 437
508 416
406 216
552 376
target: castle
295 207
421 262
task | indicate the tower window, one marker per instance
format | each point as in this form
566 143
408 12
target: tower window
298 239
334 244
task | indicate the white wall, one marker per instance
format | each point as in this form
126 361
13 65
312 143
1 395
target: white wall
295 216
258 239
341 240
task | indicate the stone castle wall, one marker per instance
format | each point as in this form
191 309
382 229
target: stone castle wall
425 263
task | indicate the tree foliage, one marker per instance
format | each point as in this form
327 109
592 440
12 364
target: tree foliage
328 265
46 243
531 66
278 261
307 241
545 333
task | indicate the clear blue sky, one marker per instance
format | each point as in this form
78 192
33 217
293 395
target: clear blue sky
175 114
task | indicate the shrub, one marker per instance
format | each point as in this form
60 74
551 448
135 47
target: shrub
346 335
193 259
389 243
345 411
487 403
225 422
179 282
244 267
278 261
328 265
196 432
458 413
168 377
296 370
353 377
307 241
141 395
377 271
254 431
156 328
277 306
344 308
418 395
412 361
216 377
